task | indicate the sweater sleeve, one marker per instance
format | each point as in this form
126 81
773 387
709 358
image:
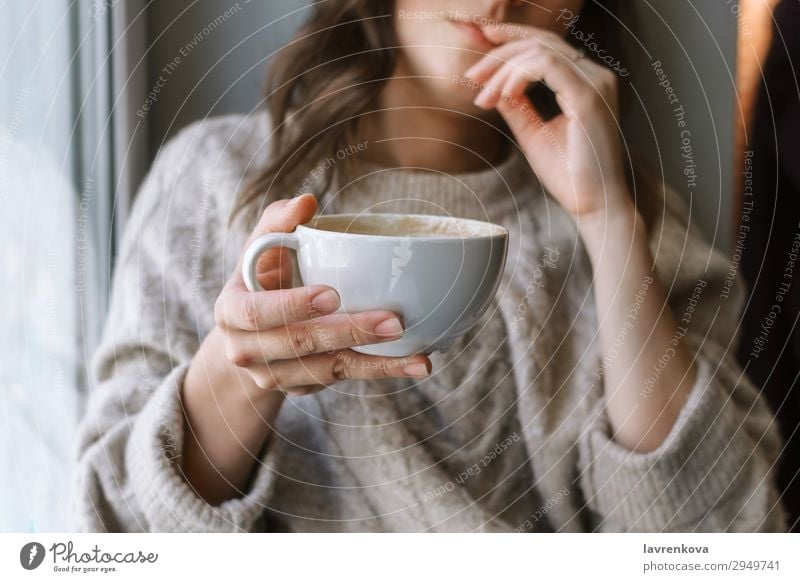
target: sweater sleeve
714 471
131 438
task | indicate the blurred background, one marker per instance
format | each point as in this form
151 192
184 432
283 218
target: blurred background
90 89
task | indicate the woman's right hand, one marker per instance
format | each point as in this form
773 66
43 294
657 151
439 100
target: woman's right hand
267 344
289 339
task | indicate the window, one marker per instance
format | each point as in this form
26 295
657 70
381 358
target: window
56 196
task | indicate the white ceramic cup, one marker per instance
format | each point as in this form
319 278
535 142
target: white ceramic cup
439 273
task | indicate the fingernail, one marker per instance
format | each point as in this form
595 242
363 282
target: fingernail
327 301
297 198
416 370
483 97
389 327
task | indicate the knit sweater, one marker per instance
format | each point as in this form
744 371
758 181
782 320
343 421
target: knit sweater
509 432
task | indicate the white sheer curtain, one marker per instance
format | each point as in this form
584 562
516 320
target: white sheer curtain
60 166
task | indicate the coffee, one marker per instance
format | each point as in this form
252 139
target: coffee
405 225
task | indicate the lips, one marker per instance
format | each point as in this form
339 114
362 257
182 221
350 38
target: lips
474 34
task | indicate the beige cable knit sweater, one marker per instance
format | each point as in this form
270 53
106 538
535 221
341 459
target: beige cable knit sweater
509 432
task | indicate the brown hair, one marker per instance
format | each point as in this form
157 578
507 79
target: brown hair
333 72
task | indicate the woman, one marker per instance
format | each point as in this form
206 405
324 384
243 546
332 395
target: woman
597 394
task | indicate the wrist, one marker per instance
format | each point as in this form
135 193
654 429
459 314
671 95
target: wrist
613 232
620 220
227 419
215 379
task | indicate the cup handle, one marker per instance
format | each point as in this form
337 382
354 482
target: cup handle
257 248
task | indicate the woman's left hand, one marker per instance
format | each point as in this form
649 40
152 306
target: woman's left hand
577 155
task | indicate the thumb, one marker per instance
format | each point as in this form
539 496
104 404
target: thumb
285 215
520 115
274 269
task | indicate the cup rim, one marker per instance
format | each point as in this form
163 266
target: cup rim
496 230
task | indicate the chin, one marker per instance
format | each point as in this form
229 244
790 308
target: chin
445 91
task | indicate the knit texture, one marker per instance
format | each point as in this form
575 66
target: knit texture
509 433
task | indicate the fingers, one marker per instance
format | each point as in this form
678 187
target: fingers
239 309
323 334
490 94
495 59
534 66
513 42
310 373
541 56
521 117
